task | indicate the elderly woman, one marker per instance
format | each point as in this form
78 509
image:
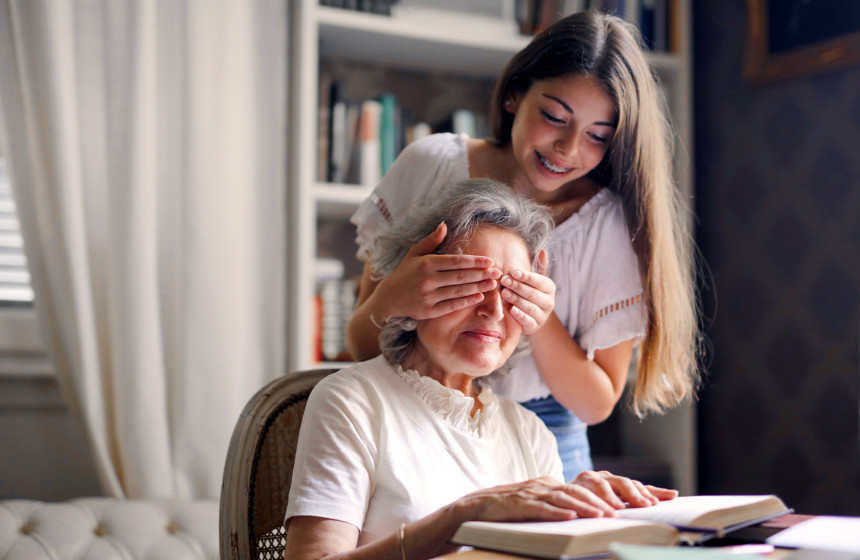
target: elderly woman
396 452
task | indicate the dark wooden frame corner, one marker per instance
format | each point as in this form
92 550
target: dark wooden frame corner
762 66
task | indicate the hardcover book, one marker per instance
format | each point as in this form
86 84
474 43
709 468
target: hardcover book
690 519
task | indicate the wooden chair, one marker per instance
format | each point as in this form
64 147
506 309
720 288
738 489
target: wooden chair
259 468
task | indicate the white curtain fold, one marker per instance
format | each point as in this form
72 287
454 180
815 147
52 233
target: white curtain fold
146 143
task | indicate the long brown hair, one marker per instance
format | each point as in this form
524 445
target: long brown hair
638 168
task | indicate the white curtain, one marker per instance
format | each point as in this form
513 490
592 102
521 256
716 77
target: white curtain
146 144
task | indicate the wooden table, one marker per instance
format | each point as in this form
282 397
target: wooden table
778 554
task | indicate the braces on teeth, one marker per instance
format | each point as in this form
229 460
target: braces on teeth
554 168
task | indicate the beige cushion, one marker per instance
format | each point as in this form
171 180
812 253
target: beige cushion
106 528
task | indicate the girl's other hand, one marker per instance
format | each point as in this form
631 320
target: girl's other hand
616 490
531 295
426 285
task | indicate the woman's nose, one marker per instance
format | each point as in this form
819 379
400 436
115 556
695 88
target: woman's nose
493 306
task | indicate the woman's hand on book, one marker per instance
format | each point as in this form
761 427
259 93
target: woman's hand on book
621 492
543 499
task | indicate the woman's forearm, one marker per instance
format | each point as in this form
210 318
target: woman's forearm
588 388
315 538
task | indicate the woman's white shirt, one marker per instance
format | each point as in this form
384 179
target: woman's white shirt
592 262
380 446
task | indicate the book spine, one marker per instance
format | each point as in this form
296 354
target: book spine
370 168
337 132
661 26
463 121
387 131
351 144
418 131
323 129
646 23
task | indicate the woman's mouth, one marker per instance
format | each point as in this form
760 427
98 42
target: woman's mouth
551 167
484 335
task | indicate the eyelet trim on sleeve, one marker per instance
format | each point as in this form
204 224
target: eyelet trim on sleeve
623 304
381 206
613 324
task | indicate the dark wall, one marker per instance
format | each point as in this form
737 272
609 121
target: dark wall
778 202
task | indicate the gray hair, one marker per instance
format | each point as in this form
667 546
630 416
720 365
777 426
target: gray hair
463 206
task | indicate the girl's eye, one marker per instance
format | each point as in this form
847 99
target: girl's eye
551 118
598 138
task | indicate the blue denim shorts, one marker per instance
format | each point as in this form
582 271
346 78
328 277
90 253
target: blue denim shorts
570 432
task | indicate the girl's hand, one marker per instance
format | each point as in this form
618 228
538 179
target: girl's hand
616 490
531 295
425 286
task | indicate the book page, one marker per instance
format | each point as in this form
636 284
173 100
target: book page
573 527
685 509
823 532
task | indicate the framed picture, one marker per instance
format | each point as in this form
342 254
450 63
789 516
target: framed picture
788 38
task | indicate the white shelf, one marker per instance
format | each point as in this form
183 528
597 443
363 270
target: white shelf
334 365
469 46
339 200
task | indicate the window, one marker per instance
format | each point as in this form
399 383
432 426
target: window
22 350
15 287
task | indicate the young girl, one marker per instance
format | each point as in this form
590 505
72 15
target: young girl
578 125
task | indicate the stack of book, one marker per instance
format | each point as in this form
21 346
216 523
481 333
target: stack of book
653 17
358 141
689 520
334 303
372 6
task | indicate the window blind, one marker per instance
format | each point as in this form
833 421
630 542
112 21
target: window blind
14 278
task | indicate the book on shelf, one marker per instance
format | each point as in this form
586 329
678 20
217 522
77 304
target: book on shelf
654 24
343 127
689 519
370 147
334 303
418 131
359 140
654 18
382 7
465 121
388 125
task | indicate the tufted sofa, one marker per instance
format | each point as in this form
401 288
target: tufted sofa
108 529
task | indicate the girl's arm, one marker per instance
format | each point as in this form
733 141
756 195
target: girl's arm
592 494
589 389
423 286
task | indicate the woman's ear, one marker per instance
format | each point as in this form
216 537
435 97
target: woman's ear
542 262
512 103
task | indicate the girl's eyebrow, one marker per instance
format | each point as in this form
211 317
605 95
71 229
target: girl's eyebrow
569 110
559 101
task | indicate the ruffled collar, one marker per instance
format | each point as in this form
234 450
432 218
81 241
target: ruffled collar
452 405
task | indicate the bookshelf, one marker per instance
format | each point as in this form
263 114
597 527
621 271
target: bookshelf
466 46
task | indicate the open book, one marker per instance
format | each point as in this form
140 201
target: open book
667 523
